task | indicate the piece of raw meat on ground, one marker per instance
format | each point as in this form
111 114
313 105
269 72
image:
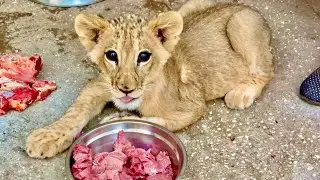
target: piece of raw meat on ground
18 77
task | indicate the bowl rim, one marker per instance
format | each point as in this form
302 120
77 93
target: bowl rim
176 138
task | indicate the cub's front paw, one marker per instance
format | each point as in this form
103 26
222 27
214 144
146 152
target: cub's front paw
240 97
45 143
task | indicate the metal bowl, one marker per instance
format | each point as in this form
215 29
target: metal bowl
141 134
67 3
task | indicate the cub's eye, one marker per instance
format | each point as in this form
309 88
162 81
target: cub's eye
112 56
144 57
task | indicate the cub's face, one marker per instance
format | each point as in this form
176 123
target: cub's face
129 51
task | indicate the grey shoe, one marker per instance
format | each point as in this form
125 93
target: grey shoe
310 88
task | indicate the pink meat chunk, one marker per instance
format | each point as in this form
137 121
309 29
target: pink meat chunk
22 97
82 168
45 88
4 105
109 165
20 68
122 144
9 84
159 165
18 76
124 163
141 161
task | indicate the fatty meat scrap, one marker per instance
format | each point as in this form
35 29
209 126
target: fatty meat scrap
18 84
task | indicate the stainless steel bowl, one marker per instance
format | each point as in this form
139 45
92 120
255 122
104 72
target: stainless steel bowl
67 3
142 135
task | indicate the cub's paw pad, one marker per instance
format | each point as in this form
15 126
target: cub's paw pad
45 143
240 97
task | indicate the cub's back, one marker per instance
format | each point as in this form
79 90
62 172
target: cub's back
207 56
205 29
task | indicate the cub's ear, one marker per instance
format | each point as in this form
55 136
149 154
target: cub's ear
89 28
167 27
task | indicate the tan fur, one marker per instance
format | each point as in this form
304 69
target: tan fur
200 53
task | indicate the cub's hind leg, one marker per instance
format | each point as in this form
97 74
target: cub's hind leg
244 94
249 36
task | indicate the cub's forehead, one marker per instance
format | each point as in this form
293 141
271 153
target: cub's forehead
129 26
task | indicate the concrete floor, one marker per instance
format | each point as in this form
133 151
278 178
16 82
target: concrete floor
277 138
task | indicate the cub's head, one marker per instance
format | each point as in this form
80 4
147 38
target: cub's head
130 51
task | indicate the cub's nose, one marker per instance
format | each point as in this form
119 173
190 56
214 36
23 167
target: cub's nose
126 89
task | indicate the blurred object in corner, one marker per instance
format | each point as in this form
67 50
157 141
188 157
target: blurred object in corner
67 3
310 88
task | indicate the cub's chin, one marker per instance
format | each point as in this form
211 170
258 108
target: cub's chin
132 105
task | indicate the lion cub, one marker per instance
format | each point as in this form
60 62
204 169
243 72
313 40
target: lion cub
166 68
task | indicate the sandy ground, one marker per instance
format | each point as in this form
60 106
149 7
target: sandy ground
277 138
